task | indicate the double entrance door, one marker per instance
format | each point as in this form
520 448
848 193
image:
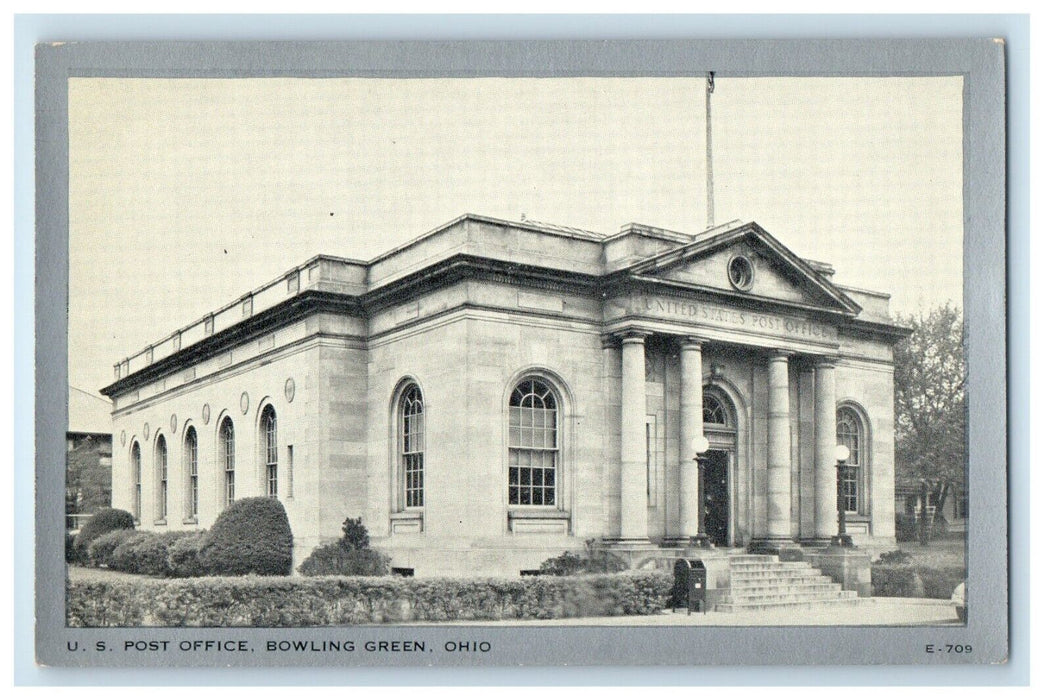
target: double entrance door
717 497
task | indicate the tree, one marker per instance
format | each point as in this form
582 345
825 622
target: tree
930 403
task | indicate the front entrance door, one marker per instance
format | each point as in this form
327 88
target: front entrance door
717 498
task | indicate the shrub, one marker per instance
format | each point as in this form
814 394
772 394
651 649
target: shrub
106 520
296 602
905 580
182 555
252 536
355 535
334 560
100 552
124 557
593 561
892 557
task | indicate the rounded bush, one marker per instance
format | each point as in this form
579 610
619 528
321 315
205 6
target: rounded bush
182 556
100 552
252 536
124 557
336 560
106 520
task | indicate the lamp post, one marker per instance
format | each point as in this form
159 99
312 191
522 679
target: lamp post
842 539
699 447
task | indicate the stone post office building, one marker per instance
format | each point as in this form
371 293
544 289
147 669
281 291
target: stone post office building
494 393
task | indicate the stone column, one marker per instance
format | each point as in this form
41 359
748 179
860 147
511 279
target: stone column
779 454
633 524
691 427
825 506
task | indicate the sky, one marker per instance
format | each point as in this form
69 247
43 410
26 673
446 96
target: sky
185 194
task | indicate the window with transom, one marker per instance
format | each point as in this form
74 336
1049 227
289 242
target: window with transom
162 478
190 463
136 471
268 429
411 445
226 458
850 432
533 444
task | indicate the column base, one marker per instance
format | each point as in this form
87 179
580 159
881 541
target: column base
693 542
814 541
626 542
773 545
841 541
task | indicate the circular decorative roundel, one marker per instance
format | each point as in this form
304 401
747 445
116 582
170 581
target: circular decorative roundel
244 402
146 431
290 389
174 423
123 438
206 413
741 272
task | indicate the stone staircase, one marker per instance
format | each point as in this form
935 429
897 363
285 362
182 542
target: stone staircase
764 582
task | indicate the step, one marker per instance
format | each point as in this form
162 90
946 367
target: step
768 565
780 588
806 605
802 574
777 598
748 558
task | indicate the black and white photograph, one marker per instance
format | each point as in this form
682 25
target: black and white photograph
676 353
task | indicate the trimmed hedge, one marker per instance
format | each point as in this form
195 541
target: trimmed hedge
916 581
182 555
591 562
336 560
106 520
282 601
252 536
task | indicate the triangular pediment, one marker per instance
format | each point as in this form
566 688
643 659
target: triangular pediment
745 261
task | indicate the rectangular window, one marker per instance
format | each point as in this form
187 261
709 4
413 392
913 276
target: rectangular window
651 460
850 488
532 457
229 487
291 490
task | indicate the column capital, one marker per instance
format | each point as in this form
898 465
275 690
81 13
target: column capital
631 335
826 361
690 341
779 355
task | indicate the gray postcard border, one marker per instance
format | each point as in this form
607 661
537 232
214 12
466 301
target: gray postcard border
981 61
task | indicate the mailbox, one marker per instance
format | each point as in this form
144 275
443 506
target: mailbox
691 583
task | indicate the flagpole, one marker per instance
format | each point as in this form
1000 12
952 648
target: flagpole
710 88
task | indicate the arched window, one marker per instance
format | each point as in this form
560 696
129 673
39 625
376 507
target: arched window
268 428
161 464
226 447
533 444
410 444
190 463
713 409
136 473
850 432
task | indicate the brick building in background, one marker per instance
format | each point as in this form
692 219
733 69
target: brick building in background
89 456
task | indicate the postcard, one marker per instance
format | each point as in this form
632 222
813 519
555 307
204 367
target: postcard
521 353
